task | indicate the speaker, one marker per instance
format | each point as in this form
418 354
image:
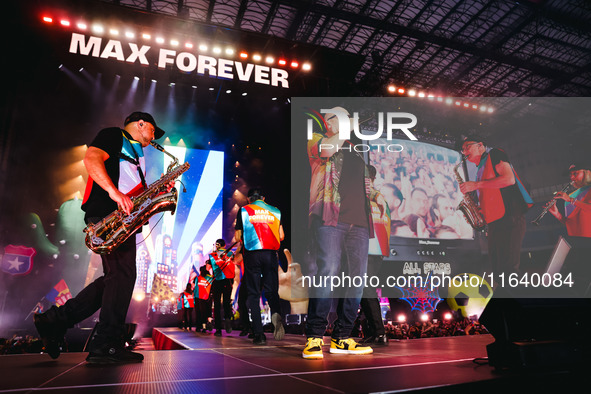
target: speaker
534 333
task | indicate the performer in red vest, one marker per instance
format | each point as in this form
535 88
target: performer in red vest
258 225
577 207
503 202
188 303
202 298
221 289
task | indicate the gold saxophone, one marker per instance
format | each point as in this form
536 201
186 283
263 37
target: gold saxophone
468 206
108 234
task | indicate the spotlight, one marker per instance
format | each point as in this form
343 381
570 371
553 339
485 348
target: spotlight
306 66
203 47
282 62
244 94
81 26
401 318
114 32
189 45
243 55
391 88
160 40
64 22
228 91
448 101
447 316
129 34
256 57
217 50
424 317
47 19
401 90
174 43
294 64
146 36
269 59
98 29
412 93
229 51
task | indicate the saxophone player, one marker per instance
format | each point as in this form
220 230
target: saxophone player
577 207
502 200
116 167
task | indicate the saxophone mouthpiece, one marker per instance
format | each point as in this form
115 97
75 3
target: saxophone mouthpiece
155 145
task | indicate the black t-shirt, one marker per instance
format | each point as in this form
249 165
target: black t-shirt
512 197
352 190
125 176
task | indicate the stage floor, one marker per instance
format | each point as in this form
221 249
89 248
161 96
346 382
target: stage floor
232 364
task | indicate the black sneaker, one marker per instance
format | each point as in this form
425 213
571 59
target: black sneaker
260 339
113 355
244 332
51 333
228 325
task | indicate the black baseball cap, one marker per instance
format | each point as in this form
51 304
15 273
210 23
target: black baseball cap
577 167
146 117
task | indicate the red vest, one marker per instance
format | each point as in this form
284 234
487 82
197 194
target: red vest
491 200
204 287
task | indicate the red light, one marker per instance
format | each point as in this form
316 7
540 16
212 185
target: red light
401 90
47 19
282 62
294 64
243 55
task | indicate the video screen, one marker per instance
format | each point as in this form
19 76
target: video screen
421 189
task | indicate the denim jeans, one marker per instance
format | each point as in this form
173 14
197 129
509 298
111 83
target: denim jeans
340 251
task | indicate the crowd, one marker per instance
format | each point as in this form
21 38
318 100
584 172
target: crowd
19 345
421 189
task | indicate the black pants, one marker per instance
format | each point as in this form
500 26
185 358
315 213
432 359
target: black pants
260 272
370 304
242 307
504 243
221 288
188 317
202 312
111 293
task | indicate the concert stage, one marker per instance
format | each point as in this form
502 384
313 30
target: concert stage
231 364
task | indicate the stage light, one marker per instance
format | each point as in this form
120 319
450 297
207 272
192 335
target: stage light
217 50
210 88
229 51
174 43
228 91
146 36
153 80
256 57
114 32
189 45
129 34
282 62
447 316
421 94
244 94
243 55
98 29
391 88
458 103
203 47
136 78
269 59
160 40
466 105
424 317
306 66
412 93
274 99
294 64
401 318
194 86
401 90
82 26
490 110
81 69
47 19
64 22
474 106
440 99
448 101
483 108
